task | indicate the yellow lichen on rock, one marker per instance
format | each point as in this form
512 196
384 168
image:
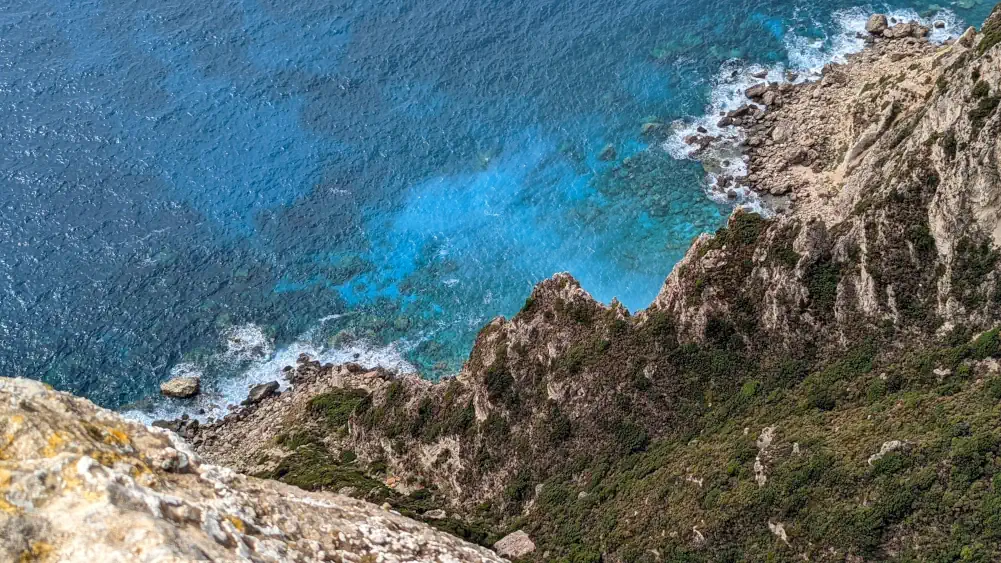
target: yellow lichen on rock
81 484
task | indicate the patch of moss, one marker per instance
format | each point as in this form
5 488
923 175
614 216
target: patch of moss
981 89
294 439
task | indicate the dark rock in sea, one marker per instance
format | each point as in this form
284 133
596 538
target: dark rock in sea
757 90
760 75
261 392
650 128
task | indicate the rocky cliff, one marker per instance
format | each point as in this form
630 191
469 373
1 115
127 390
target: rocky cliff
79 483
823 384
819 385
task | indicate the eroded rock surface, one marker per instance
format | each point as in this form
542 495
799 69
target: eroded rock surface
79 483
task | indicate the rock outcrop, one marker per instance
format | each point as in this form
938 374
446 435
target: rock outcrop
863 315
79 483
820 385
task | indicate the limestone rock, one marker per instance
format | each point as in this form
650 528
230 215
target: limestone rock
181 387
515 545
81 484
968 37
876 24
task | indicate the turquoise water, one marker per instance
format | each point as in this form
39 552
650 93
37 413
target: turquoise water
215 186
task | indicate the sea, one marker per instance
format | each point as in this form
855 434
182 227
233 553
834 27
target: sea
213 187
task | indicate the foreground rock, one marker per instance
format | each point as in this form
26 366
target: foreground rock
79 483
181 387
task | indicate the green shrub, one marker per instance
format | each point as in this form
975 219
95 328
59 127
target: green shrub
981 89
987 345
969 457
822 279
630 437
337 406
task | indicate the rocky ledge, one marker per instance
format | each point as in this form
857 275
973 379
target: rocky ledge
79 483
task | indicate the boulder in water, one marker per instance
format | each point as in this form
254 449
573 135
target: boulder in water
757 90
876 24
260 392
181 387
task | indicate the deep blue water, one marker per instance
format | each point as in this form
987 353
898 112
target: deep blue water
204 183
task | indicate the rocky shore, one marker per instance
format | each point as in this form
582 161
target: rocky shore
79 483
820 385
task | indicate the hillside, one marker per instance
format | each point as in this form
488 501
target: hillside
822 384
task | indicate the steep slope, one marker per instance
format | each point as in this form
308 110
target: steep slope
79 483
823 384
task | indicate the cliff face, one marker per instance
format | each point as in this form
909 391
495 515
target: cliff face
821 385
79 483
815 385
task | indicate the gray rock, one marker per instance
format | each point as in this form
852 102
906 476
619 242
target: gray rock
260 392
181 387
435 514
876 24
515 545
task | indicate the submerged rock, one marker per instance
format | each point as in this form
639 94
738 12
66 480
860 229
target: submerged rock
608 153
181 387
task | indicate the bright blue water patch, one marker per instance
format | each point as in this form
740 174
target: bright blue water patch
403 171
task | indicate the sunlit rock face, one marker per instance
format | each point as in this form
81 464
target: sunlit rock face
80 483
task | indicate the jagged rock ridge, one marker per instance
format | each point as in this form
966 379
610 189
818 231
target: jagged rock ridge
747 413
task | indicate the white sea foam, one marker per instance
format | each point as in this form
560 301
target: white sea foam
249 348
806 58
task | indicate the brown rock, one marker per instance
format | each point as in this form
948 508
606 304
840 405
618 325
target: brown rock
756 91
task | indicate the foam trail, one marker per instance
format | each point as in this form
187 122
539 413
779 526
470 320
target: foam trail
806 59
247 346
